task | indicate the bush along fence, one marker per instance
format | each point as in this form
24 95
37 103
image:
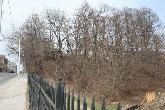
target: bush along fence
43 96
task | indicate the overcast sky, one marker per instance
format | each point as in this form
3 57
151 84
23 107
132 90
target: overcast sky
21 9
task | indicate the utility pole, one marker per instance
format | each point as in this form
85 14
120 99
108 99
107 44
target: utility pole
19 58
1 3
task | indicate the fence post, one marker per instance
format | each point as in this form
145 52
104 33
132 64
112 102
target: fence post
72 101
39 93
32 94
59 96
54 95
29 85
64 99
119 106
68 100
84 103
78 102
93 103
103 104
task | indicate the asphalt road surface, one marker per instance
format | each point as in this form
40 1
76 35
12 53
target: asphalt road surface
13 91
4 77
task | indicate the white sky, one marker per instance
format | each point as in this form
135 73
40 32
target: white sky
21 9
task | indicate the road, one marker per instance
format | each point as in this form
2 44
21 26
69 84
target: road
4 77
13 92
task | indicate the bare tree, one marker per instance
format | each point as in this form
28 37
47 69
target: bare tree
107 50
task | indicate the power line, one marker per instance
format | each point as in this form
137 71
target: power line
1 13
11 19
1 3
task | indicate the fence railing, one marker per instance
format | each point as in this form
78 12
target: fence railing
43 96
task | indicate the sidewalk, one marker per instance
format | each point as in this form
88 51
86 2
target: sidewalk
13 94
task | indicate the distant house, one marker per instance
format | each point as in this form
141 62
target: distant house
12 67
3 63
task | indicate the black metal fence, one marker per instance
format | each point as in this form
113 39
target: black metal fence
43 96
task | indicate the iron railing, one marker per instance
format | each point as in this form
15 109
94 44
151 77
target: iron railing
43 96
